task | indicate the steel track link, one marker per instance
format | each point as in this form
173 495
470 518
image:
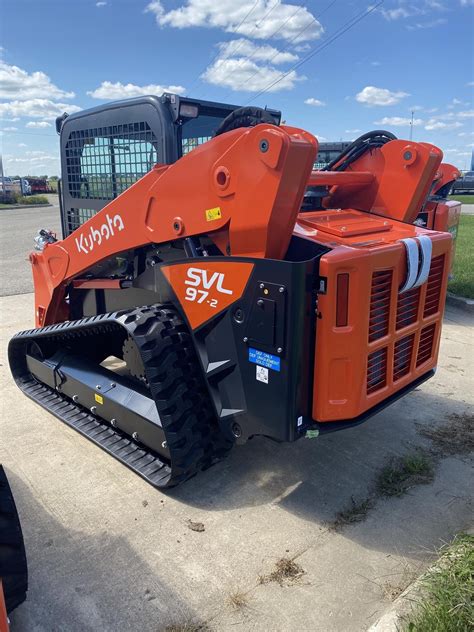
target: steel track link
175 381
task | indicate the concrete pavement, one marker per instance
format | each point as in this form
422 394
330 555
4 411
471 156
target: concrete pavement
107 552
18 228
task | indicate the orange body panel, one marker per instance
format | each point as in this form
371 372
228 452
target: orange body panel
446 174
246 184
205 289
403 175
349 358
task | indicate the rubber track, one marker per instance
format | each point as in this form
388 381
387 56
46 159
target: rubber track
174 376
13 566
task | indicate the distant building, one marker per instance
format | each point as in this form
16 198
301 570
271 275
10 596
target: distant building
329 151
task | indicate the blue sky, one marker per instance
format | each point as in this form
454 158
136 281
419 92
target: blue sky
403 55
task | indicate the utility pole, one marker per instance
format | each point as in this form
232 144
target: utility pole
411 124
1 176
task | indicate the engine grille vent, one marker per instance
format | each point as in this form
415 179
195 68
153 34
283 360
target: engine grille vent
402 356
376 370
407 307
433 290
380 304
425 348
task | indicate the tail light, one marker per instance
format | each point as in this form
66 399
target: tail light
342 300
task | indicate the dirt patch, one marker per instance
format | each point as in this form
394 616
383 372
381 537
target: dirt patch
196 526
356 512
404 473
286 572
238 600
395 479
187 626
454 436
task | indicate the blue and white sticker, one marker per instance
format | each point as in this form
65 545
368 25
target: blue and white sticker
264 359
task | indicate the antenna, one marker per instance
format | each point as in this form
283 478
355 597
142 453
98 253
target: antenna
411 124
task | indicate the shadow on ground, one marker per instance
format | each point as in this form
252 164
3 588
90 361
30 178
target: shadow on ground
315 479
81 577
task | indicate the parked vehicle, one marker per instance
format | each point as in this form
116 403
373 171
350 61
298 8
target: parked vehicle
464 184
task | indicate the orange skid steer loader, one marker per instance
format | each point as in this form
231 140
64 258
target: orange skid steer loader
198 298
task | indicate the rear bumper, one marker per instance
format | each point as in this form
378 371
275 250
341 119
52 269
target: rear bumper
334 426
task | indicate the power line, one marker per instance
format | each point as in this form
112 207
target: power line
233 52
269 38
28 134
300 32
343 29
218 52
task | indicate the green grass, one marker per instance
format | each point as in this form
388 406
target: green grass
23 200
447 602
465 199
404 473
463 282
33 199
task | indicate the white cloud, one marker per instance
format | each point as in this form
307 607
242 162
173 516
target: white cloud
407 10
245 48
426 25
314 102
467 3
466 114
22 145
100 4
16 83
470 83
466 134
433 124
36 108
396 14
375 63
398 121
109 90
303 48
352 131
32 163
9 129
38 124
246 76
260 20
371 95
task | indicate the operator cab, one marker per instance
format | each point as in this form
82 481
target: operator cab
106 149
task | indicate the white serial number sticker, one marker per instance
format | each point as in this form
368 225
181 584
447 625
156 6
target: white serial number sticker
262 374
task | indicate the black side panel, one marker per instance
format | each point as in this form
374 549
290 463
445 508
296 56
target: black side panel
257 355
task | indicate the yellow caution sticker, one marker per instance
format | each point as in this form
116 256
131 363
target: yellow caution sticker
213 213
98 398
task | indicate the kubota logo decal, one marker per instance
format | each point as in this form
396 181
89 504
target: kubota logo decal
205 289
201 281
87 240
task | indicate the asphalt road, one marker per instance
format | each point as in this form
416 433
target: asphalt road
18 227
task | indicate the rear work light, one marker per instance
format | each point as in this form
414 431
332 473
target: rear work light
342 299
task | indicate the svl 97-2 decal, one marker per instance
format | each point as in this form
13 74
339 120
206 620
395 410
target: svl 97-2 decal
205 289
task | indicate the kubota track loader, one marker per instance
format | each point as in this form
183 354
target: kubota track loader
210 300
